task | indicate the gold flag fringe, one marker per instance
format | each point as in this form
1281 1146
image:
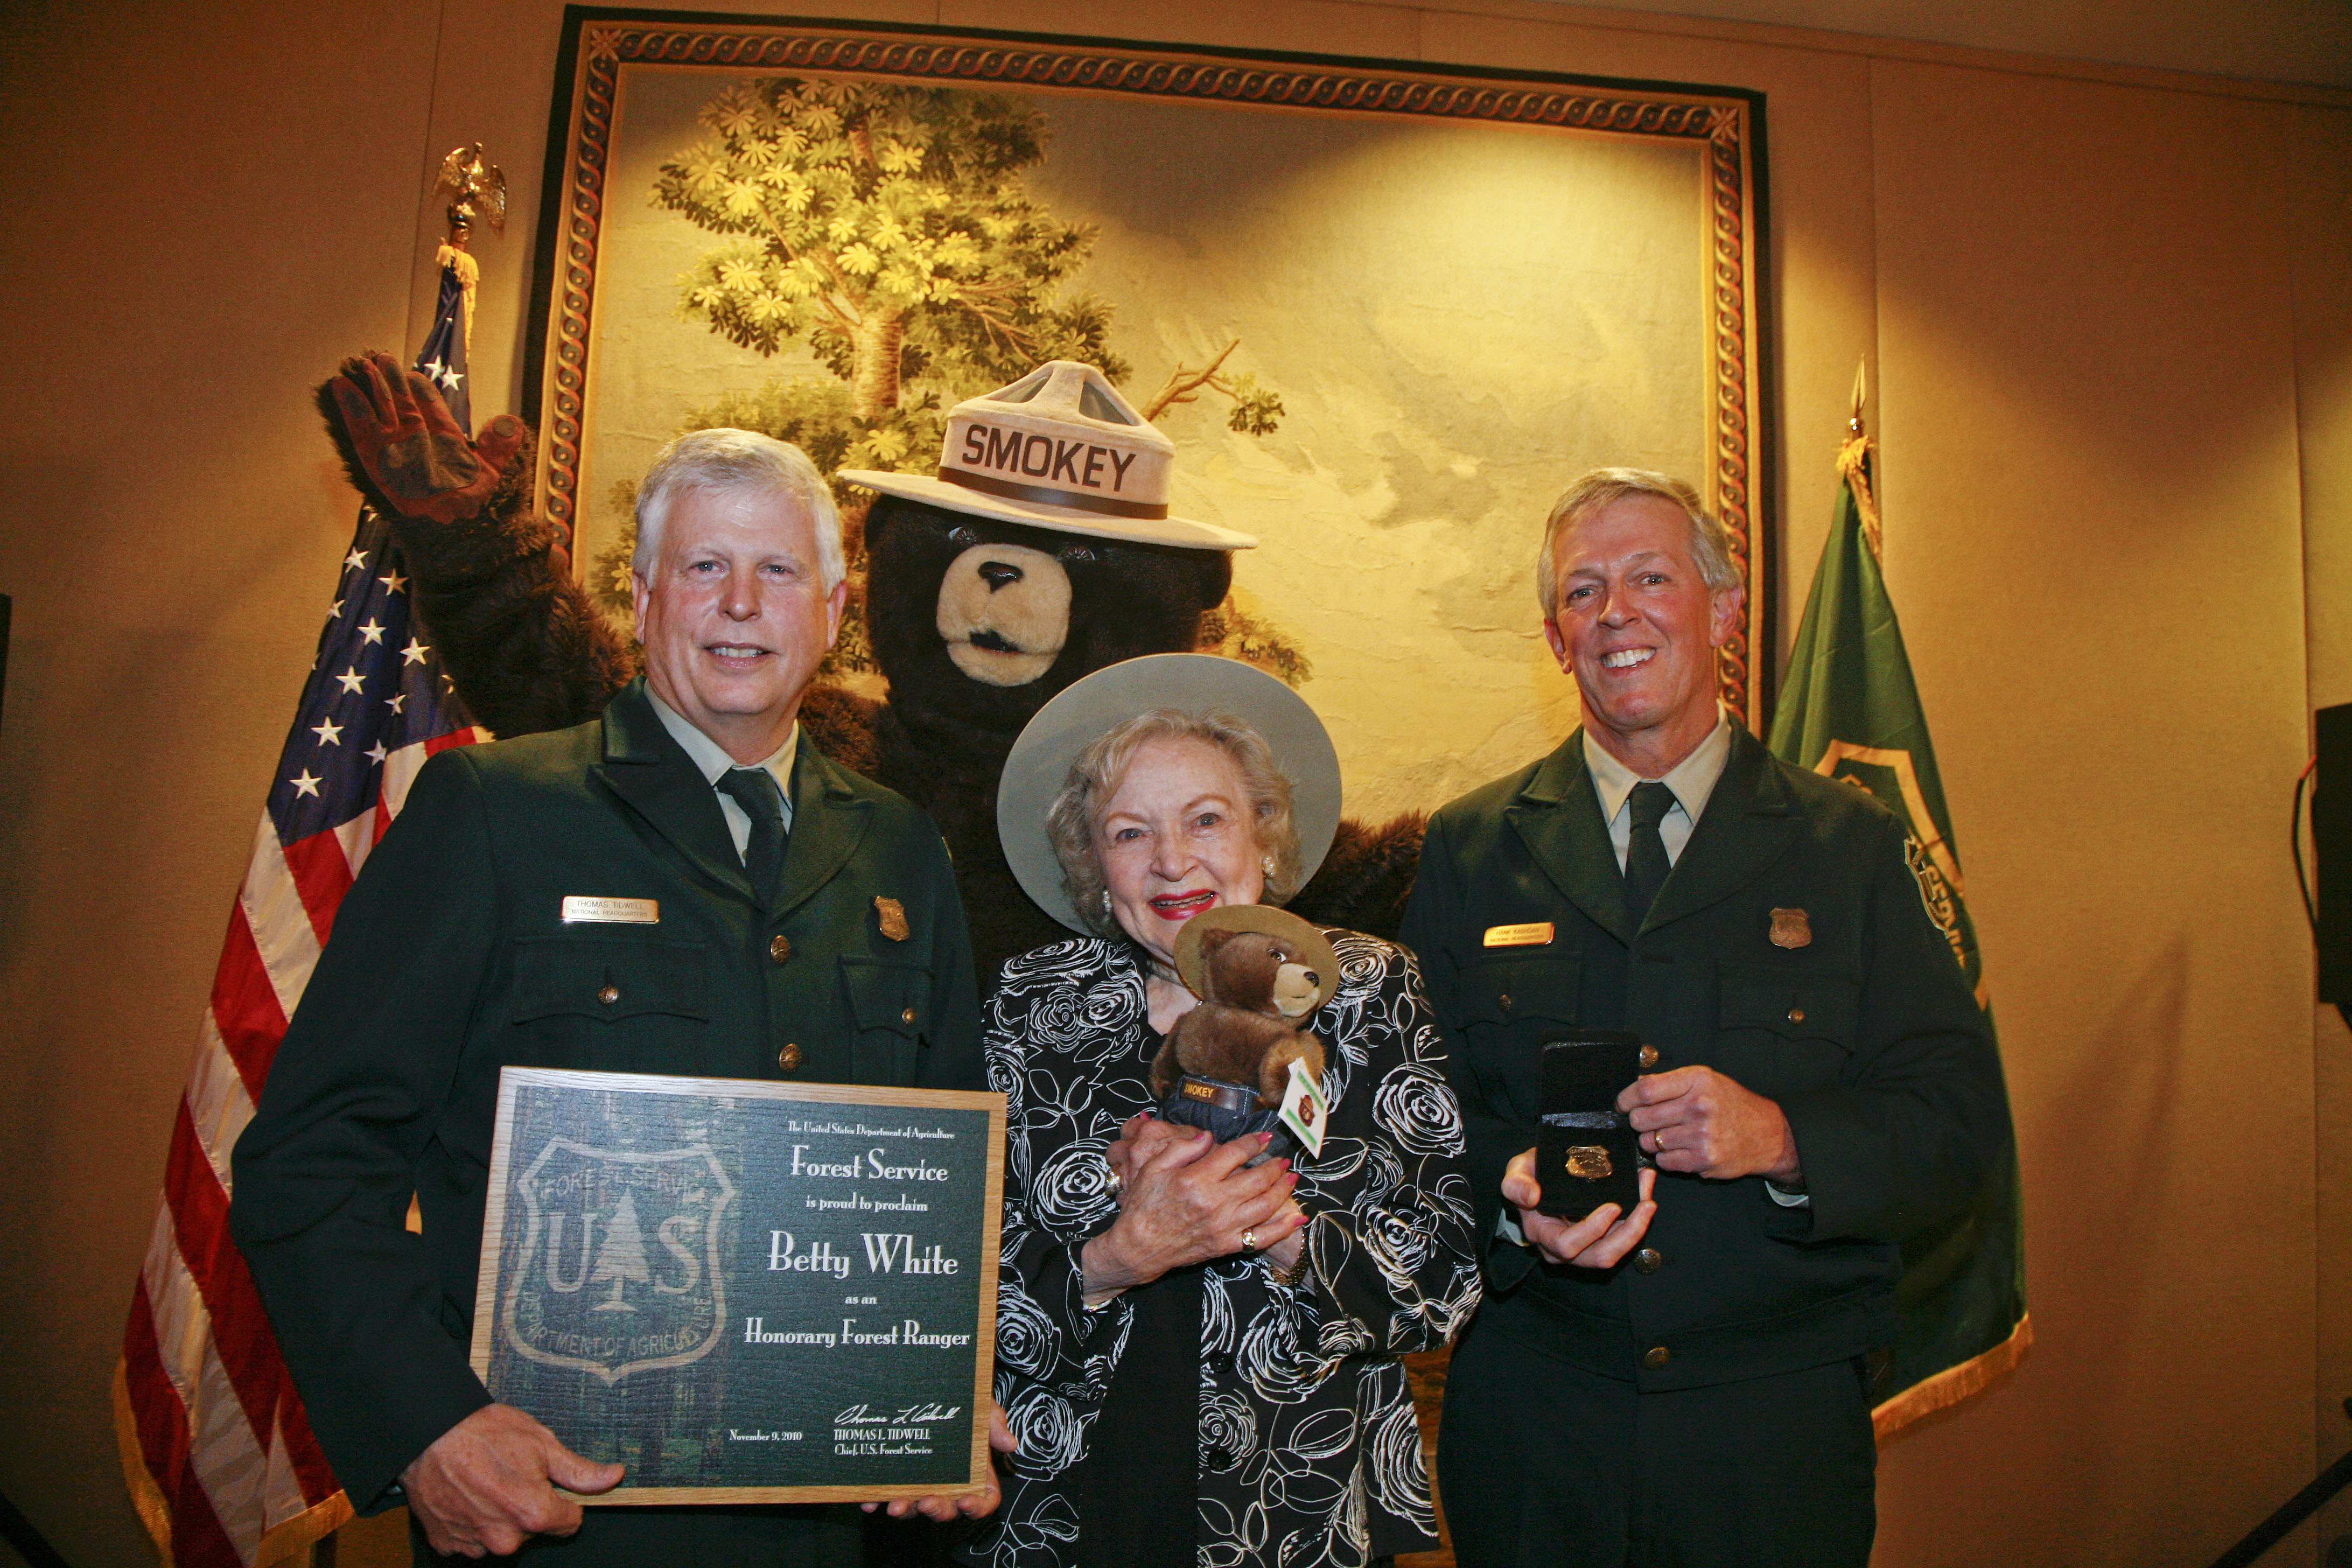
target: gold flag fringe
1853 462
469 275
1954 1383
306 1528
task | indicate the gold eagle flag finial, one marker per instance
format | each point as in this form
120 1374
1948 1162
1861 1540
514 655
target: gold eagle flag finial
475 187
1853 463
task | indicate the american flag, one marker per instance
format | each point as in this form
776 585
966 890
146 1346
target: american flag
219 1457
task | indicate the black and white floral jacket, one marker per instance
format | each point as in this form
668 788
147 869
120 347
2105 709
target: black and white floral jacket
1308 1450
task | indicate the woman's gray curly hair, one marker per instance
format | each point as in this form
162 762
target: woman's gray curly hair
1095 777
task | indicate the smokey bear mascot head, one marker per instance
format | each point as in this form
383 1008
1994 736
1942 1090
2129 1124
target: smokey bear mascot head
1020 612
1043 551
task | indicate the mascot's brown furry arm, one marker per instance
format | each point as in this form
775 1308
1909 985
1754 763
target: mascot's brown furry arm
527 650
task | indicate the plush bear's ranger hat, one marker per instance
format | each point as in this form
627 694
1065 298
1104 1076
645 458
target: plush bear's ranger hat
1306 943
1039 765
1058 448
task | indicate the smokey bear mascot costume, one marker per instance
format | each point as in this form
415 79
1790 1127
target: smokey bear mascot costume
1043 551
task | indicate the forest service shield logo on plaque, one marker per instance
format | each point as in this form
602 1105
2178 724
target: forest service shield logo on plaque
620 1259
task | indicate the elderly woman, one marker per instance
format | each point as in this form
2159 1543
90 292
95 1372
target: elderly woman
1199 1354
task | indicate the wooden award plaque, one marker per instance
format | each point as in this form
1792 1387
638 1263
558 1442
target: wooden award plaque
746 1291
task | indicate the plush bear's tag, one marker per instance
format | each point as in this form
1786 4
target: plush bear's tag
1304 1109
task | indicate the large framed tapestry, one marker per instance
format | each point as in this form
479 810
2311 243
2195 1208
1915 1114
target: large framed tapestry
1385 311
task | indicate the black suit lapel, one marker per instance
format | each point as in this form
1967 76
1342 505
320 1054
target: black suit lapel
1749 823
828 823
1558 817
651 773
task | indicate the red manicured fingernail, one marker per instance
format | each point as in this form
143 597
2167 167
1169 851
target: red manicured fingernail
1264 1138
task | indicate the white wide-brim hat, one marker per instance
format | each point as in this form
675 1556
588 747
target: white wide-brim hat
1058 448
1197 683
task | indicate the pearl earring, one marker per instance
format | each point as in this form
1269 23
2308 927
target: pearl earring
1267 864
1106 900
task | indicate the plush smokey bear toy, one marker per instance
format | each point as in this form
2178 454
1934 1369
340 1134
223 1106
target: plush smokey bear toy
1260 973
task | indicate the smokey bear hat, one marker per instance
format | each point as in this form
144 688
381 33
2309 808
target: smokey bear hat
1039 765
1058 448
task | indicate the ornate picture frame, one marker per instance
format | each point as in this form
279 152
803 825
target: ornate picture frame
1615 313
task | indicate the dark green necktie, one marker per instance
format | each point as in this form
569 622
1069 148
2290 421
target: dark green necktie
756 790
1645 853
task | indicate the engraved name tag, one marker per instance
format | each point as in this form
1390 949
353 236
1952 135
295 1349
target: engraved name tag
1533 935
579 908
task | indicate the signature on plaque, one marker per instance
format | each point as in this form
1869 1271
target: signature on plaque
618 1270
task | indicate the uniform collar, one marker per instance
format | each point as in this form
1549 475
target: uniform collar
1692 780
711 758
1557 816
650 770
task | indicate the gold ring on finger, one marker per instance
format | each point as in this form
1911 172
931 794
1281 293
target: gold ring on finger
1249 1239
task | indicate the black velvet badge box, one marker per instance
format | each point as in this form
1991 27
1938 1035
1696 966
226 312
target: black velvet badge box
1587 1154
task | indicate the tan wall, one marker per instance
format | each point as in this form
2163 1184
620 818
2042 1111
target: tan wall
2322 212
2276 40
2111 316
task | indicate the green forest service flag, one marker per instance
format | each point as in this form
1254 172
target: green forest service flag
1848 709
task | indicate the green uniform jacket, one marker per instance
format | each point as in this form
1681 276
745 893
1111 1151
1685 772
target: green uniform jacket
451 960
1865 1034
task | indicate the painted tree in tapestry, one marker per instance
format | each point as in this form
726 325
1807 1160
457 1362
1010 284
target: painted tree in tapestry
887 229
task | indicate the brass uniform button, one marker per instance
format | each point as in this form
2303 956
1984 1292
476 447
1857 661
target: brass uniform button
1649 1057
610 994
1649 1260
789 1059
780 948
1503 1002
1655 1358
1796 1014
907 1015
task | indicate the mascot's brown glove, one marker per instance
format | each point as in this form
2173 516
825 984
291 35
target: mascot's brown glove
413 451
